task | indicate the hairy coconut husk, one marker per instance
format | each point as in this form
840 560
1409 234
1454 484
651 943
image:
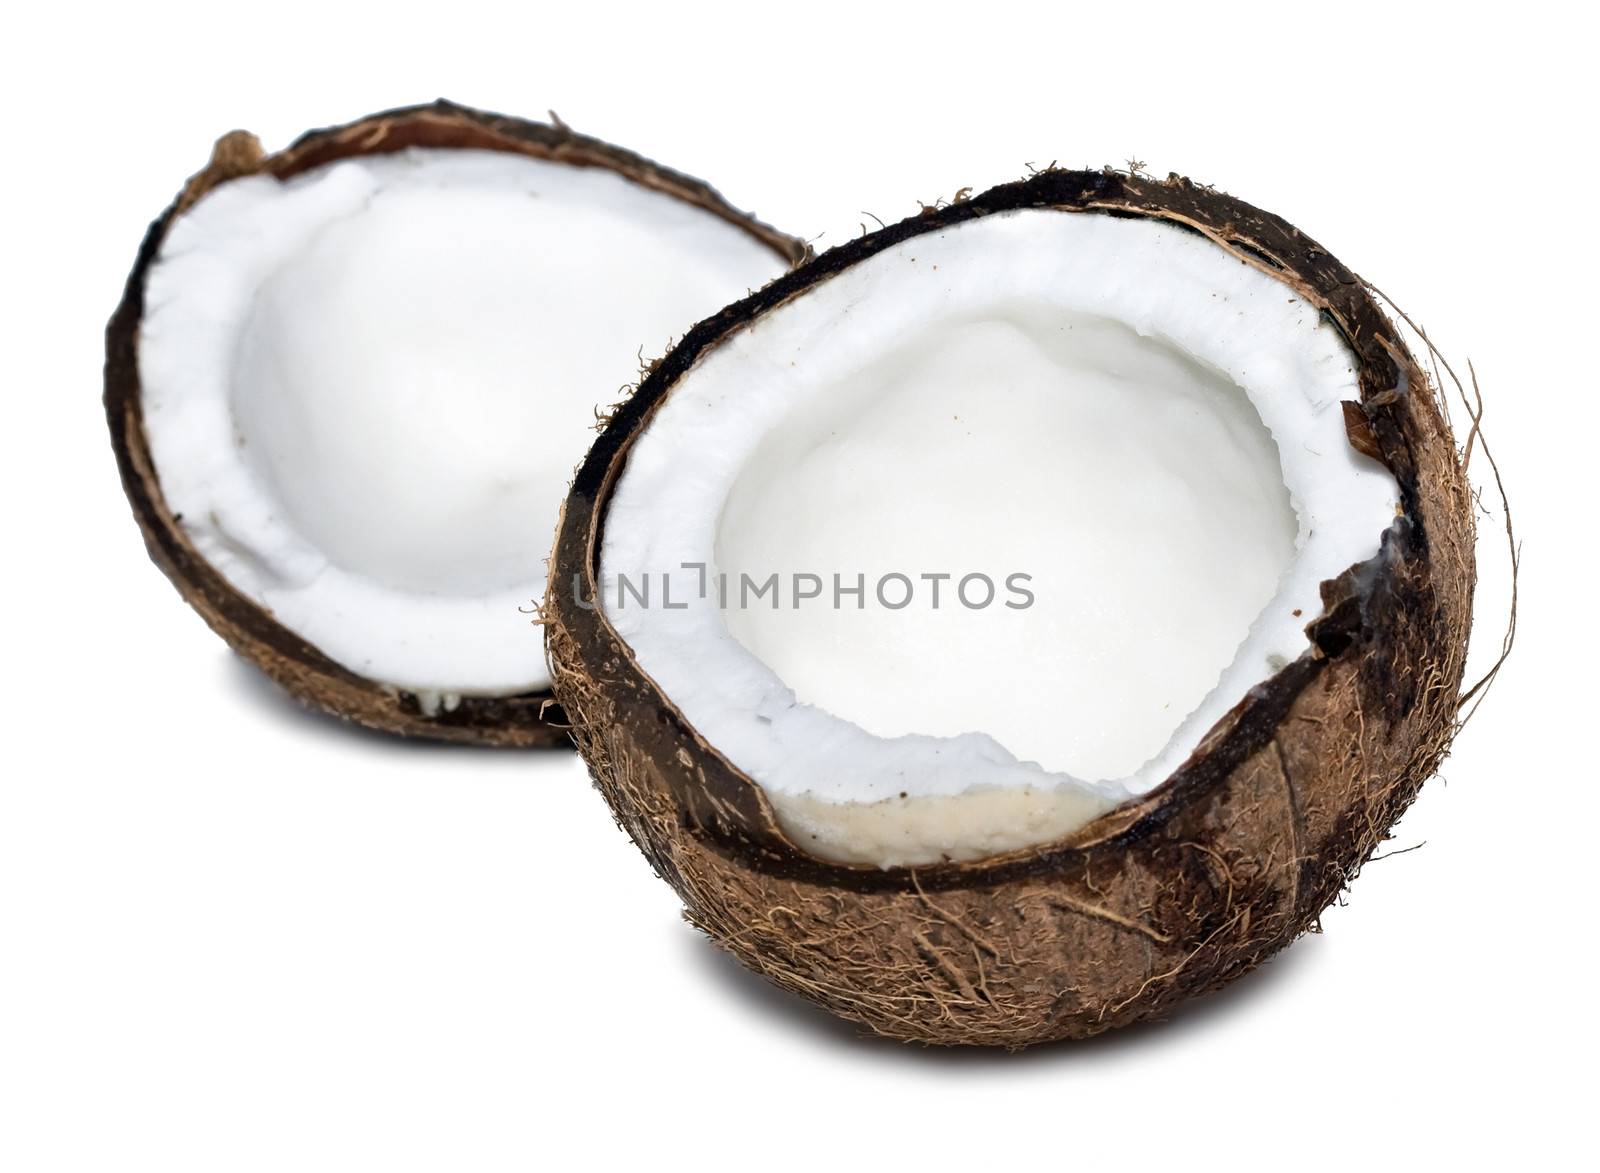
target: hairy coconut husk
531 719
1172 895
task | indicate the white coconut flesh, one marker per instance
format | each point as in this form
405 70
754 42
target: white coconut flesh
365 388
1142 424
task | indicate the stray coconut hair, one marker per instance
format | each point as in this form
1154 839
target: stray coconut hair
1166 894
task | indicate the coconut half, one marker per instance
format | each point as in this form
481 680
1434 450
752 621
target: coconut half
1205 552
348 383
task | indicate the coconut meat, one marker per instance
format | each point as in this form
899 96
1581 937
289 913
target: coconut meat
1147 428
364 388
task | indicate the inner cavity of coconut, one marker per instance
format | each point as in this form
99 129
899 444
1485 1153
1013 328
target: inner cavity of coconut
365 388
1136 438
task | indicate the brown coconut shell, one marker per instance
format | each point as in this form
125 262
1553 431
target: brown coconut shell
1175 894
530 719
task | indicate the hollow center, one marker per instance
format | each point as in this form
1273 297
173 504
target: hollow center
410 381
1124 501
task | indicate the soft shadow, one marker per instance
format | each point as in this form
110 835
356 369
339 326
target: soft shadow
799 1017
254 688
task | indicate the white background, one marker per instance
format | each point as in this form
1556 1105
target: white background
236 937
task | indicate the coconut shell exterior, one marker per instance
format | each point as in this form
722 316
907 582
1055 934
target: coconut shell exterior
1202 880
531 719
